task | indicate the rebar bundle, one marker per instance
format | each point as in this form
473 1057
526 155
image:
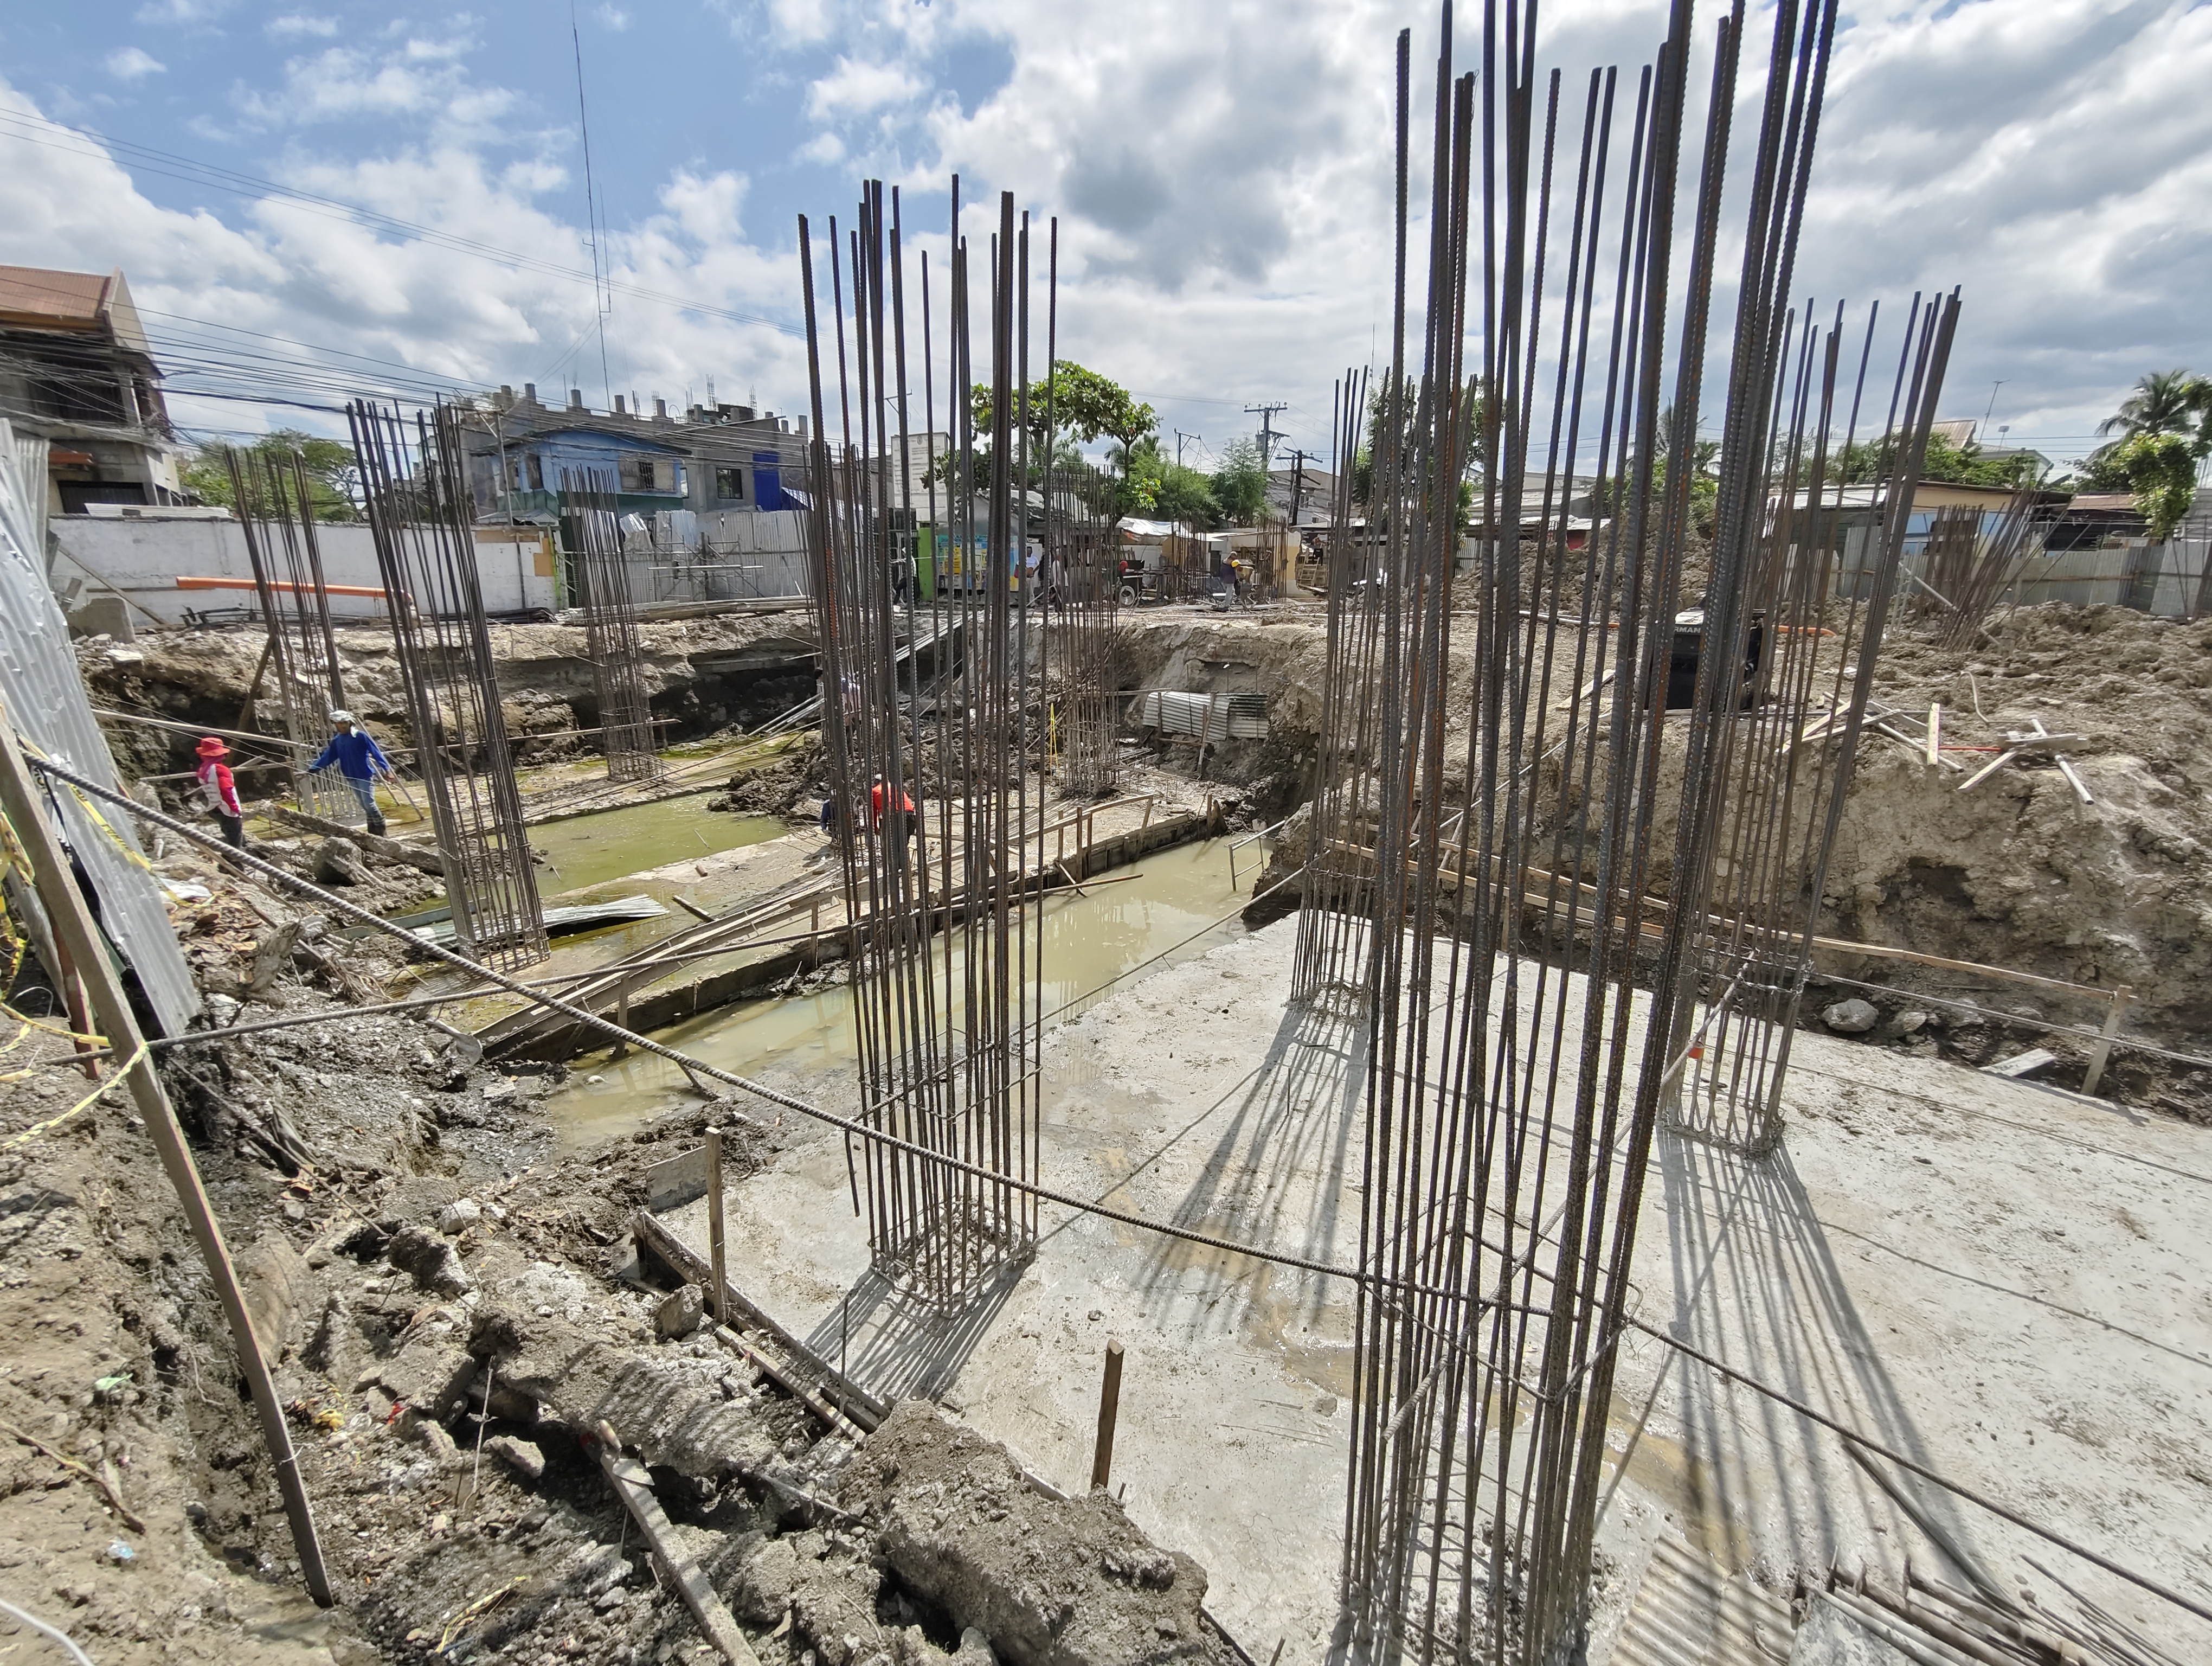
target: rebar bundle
1086 586
931 795
591 531
1338 879
416 493
1523 841
1967 563
275 513
1786 668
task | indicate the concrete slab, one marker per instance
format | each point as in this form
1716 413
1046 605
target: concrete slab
2007 1283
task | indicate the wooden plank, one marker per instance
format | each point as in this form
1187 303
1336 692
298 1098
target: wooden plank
676 1180
654 1237
2021 1064
634 1488
1988 769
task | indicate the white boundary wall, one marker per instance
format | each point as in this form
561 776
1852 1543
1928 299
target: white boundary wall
142 556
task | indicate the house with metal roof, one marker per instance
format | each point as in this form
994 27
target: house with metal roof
77 370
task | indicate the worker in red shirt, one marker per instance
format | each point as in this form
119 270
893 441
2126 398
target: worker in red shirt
219 790
896 822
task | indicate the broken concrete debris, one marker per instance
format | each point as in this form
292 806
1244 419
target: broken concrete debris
1854 1017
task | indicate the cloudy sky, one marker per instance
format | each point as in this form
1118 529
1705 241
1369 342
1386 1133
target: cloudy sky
312 198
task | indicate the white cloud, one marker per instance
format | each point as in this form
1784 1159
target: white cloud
295 25
181 11
806 21
613 17
133 63
855 87
285 270
424 76
1222 185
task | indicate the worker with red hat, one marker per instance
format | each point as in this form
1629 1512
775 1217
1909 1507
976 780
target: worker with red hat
219 790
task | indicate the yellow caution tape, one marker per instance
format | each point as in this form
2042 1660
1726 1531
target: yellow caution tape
86 805
83 1104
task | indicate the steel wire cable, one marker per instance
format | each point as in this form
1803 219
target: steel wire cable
1356 1277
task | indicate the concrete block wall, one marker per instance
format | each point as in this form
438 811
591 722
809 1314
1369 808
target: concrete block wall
142 557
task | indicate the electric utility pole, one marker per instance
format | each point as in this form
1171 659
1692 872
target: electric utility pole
1268 434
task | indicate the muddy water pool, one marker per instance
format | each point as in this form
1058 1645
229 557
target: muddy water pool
592 849
1090 941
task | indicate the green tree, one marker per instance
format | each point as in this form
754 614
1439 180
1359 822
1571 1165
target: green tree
1867 460
1240 484
1081 404
333 476
2164 402
1161 490
2100 471
2163 470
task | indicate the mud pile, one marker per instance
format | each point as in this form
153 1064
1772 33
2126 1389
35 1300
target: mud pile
450 1311
702 673
2019 872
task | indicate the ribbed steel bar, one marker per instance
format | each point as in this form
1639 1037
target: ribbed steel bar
1550 852
417 493
933 726
590 533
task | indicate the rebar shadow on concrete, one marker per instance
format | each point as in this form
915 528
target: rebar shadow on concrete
898 1344
1275 1174
1755 1280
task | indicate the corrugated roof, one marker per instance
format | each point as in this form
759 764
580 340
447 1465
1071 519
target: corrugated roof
57 301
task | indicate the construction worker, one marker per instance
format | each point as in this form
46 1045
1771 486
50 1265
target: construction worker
361 761
896 822
220 788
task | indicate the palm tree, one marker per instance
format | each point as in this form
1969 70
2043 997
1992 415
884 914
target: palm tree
2164 402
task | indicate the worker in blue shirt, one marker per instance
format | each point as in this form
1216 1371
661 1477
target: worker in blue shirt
359 760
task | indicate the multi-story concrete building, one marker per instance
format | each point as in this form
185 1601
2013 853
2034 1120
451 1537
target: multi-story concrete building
717 458
76 370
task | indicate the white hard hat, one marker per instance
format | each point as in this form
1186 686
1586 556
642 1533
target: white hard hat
342 717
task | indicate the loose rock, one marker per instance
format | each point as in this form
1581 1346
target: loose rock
1854 1017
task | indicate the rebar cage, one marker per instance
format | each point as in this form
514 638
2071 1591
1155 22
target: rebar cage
275 514
590 533
1517 848
933 780
417 493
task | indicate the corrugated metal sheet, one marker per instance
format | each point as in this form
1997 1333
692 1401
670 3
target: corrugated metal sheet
31 470
1689 1612
46 702
1205 716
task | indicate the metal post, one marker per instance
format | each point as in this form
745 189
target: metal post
76 933
1110 1406
715 1223
2103 1050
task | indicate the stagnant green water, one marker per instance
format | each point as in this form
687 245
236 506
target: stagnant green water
1088 940
607 844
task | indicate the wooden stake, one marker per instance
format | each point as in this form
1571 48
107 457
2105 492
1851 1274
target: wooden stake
76 933
634 1488
1934 734
1988 769
715 1224
1110 1407
2103 1050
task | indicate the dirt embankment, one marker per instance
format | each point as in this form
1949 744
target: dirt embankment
2019 872
451 1309
701 674
2016 872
